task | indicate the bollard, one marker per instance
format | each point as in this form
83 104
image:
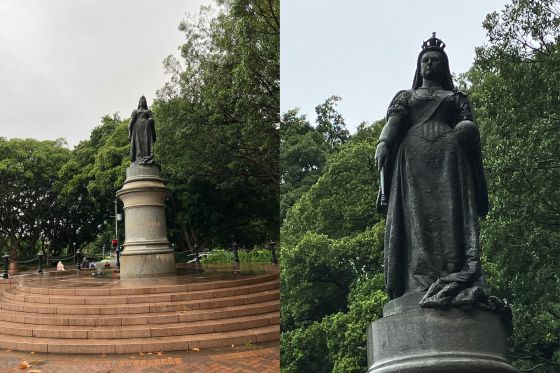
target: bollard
196 250
273 251
6 258
40 256
118 257
79 260
235 253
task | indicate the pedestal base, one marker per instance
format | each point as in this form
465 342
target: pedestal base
431 340
147 251
147 265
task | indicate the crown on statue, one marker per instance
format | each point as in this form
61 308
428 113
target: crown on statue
433 43
143 98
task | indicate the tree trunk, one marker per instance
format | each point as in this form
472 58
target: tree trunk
186 237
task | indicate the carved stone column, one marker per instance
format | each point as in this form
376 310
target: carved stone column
147 251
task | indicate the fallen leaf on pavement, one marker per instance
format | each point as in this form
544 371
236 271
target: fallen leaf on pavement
196 349
159 353
24 365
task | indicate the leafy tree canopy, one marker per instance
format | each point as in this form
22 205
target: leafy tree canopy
220 115
304 149
28 198
514 86
331 260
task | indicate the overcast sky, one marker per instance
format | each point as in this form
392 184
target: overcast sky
365 51
64 64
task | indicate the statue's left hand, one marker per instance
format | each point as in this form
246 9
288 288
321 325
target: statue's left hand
466 130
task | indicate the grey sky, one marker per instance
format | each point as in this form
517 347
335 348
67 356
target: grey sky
365 51
66 63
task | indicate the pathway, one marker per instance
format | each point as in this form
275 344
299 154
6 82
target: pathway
262 358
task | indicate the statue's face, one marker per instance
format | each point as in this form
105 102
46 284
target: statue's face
431 65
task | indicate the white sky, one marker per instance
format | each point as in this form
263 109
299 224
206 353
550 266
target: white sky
66 63
365 51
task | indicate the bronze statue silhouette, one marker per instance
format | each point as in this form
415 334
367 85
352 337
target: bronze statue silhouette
433 189
142 135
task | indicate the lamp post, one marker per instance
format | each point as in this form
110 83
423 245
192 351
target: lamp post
118 217
75 261
6 258
40 256
116 221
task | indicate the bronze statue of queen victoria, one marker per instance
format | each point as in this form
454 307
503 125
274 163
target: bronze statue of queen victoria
433 189
142 135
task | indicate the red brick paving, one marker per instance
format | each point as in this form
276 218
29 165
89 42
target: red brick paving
263 358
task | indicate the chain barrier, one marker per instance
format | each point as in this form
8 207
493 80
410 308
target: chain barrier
61 259
27 261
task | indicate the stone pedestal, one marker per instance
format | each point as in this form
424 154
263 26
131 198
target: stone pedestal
412 339
147 251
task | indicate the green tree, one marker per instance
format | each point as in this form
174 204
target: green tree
331 260
305 349
342 202
514 86
89 180
219 117
303 152
304 149
328 305
29 202
330 123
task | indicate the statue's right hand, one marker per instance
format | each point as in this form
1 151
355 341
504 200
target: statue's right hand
381 155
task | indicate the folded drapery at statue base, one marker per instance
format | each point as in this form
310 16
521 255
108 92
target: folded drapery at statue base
444 293
409 338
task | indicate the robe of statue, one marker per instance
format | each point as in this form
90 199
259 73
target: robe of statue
142 136
436 191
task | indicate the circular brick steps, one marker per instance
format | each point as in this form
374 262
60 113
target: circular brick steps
100 316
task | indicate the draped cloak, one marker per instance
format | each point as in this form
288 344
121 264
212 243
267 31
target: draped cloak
142 136
436 191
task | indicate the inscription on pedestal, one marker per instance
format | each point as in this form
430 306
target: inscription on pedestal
145 223
135 227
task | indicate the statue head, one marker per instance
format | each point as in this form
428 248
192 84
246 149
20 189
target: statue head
143 104
433 64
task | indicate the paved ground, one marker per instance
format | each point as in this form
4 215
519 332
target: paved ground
262 358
